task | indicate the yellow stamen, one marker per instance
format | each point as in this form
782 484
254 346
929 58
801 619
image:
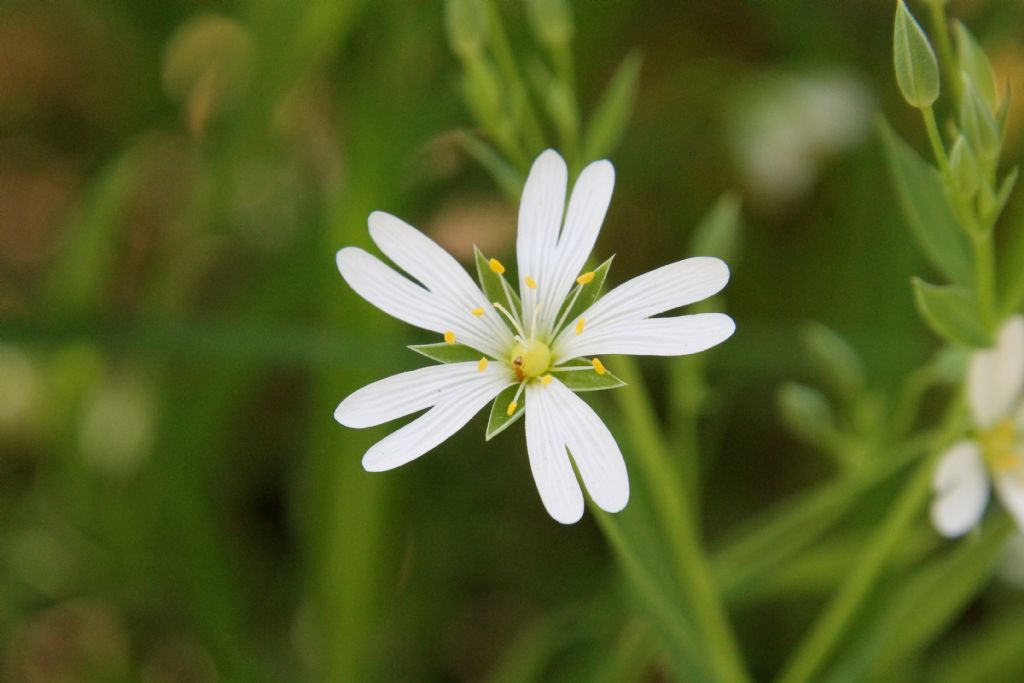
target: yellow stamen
546 379
531 283
449 337
585 278
511 408
599 366
998 446
580 324
482 365
477 311
496 266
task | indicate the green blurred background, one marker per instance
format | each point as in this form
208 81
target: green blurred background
176 503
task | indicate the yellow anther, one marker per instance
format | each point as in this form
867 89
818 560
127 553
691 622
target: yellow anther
449 337
511 408
546 379
496 266
482 365
530 282
585 278
580 324
477 311
599 366
998 446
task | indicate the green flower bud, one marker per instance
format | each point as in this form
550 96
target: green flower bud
977 123
917 70
467 26
973 61
551 21
965 168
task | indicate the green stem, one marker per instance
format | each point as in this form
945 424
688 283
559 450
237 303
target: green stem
936 141
679 524
985 268
940 26
505 59
826 632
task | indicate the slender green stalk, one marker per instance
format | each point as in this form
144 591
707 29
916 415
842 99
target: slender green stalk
505 59
935 138
985 269
680 528
826 632
940 27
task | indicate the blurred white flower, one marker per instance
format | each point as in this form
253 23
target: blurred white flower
995 456
785 127
527 345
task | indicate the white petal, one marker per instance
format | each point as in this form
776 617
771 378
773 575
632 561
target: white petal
406 393
387 290
549 461
961 489
540 218
1010 488
660 290
996 375
587 208
434 426
651 337
455 290
591 445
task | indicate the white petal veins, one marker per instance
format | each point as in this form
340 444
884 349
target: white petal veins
995 376
675 336
408 392
583 219
549 461
540 218
592 447
961 489
425 260
435 426
387 290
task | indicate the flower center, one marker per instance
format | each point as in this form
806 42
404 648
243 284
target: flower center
530 359
997 444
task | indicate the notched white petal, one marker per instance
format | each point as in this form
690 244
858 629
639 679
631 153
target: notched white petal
996 376
435 426
387 290
675 336
961 488
540 218
403 394
552 471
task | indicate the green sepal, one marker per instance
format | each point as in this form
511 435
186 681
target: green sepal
499 419
951 312
490 282
443 352
588 295
917 70
587 380
973 60
927 211
1003 196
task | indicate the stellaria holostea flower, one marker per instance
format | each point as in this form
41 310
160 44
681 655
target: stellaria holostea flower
526 353
995 456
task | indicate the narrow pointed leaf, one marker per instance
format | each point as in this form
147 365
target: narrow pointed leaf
499 419
444 352
609 120
927 211
504 174
917 70
951 312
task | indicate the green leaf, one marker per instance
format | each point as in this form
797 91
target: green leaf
588 380
951 312
443 352
1003 196
499 419
972 60
588 295
806 412
611 116
978 123
504 174
835 360
718 233
491 283
926 209
917 70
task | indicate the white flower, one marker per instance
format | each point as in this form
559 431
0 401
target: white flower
995 456
527 357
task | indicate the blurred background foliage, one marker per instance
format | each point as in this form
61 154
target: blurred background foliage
176 503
